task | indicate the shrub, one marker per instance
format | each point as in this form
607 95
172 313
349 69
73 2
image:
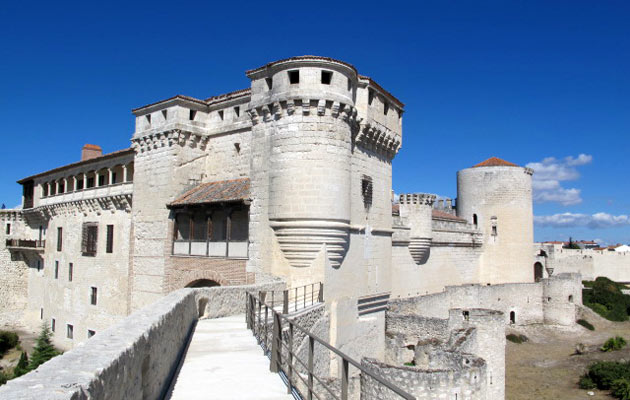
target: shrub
22 366
518 339
606 299
586 324
586 382
604 373
621 389
44 350
3 378
612 344
8 340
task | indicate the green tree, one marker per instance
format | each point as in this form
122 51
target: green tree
22 366
44 350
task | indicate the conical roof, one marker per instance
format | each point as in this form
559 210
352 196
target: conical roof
495 162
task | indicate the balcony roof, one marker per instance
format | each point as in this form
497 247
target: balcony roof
214 192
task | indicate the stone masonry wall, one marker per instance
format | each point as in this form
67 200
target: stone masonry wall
13 272
526 300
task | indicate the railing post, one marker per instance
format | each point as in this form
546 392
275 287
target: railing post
311 346
285 301
290 353
344 378
275 343
321 293
266 325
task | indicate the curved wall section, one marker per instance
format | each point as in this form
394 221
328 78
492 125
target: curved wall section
306 108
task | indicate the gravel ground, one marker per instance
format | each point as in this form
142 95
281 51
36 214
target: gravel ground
547 367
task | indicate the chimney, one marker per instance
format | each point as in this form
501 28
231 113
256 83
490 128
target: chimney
90 151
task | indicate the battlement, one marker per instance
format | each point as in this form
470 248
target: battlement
417 198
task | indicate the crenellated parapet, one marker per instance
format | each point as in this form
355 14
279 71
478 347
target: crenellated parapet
416 208
294 107
174 137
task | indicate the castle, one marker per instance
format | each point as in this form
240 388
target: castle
288 179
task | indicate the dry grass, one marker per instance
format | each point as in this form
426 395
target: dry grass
547 367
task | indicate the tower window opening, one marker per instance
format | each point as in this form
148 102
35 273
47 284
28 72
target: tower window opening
269 82
294 77
237 111
165 114
571 298
192 115
370 96
326 77
8 231
512 317
385 108
475 221
221 115
366 191
148 116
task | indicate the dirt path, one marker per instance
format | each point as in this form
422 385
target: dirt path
546 366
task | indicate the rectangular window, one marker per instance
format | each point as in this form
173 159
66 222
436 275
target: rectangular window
294 77
89 238
90 182
56 269
8 229
70 268
326 77
52 324
93 295
221 115
39 265
70 331
59 238
91 333
101 180
80 184
110 239
41 313
192 114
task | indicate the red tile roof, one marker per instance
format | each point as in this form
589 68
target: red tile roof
495 162
444 215
215 192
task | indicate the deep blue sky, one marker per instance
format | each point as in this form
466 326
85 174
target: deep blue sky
523 81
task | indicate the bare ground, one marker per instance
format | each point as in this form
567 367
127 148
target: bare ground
547 367
27 342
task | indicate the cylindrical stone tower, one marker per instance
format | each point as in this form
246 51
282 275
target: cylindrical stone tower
496 196
305 105
417 209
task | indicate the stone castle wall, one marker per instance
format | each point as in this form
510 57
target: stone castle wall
589 263
14 271
53 295
526 300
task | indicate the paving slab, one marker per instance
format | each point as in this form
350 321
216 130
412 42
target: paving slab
223 362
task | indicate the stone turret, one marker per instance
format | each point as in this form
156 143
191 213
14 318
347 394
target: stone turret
416 208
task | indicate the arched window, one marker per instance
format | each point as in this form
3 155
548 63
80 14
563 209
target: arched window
512 317
538 272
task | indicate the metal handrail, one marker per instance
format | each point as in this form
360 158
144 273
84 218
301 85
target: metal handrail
295 298
254 311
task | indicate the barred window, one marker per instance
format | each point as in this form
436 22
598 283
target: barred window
89 238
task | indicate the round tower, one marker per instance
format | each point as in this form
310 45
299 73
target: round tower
496 197
305 107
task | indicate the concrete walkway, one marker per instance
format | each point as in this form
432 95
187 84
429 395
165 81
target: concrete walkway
225 362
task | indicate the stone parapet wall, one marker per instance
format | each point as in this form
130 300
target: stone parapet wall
525 300
137 357
467 382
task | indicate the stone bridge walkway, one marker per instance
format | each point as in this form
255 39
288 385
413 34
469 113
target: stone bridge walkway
225 362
